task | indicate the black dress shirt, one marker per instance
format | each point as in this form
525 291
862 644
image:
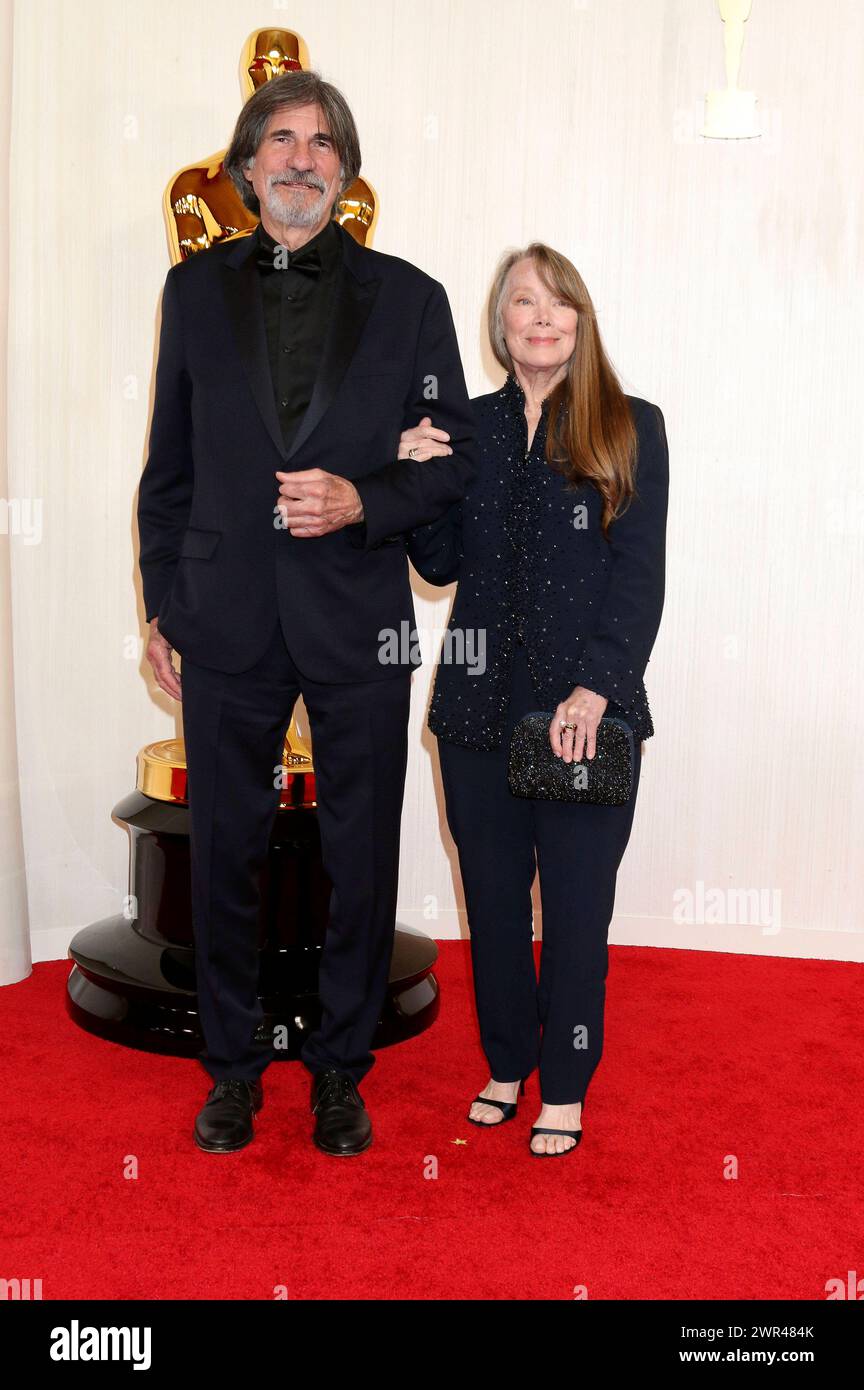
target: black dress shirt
297 308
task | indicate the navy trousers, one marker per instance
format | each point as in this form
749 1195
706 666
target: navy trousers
503 841
234 729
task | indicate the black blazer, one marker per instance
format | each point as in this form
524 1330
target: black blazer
591 607
210 556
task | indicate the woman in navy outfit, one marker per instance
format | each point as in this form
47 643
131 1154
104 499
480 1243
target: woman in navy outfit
559 551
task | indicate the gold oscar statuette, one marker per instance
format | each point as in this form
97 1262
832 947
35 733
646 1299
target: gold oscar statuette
203 209
202 206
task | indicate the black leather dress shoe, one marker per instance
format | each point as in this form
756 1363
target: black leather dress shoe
342 1126
225 1122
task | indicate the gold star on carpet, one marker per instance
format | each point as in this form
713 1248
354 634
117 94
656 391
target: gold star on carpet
458 1141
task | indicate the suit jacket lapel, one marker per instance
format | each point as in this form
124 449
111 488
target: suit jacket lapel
241 285
355 292
352 305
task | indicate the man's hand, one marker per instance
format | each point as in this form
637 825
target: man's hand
313 502
584 710
159 655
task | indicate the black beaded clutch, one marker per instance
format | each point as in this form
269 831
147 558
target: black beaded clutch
604 780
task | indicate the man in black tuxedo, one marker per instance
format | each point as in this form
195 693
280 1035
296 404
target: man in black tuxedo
272 514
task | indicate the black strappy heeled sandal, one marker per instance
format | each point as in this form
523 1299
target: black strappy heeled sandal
507 1108
567 1133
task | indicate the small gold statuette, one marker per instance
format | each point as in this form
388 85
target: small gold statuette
730 114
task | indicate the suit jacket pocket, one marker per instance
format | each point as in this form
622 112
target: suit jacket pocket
198 544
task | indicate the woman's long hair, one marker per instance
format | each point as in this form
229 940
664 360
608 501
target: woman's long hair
590 431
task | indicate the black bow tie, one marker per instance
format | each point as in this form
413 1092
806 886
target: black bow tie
277 257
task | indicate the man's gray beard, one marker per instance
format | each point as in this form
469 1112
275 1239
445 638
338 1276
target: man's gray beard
294 213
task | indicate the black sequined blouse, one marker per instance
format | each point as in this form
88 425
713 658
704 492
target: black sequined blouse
533 566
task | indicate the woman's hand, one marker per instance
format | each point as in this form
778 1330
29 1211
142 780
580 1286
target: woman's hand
425 440
584 710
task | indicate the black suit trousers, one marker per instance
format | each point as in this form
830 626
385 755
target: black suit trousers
234 728
503 842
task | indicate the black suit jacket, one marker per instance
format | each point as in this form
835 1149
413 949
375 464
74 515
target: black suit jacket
215 568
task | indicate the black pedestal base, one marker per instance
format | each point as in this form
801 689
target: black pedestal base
134 975
142 994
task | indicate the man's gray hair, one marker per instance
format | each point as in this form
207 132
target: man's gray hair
289 91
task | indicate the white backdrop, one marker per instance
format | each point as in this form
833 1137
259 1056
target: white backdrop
727 277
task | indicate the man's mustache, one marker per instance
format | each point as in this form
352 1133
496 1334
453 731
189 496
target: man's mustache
308 182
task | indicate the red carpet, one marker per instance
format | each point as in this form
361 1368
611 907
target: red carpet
706 1056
